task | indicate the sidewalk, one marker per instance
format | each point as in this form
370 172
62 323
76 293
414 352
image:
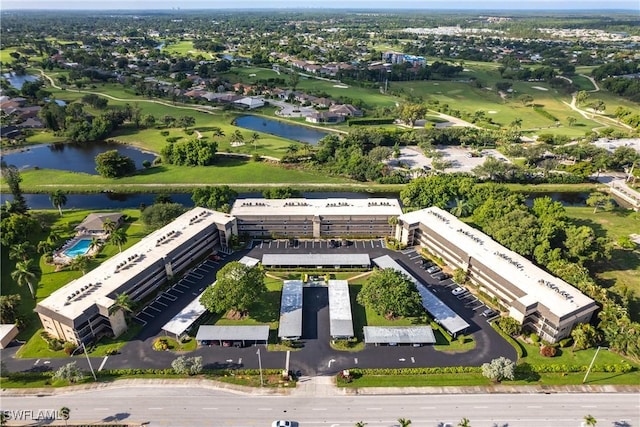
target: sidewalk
321 387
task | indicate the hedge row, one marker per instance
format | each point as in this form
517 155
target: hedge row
557 368
418 371
372 121
159 372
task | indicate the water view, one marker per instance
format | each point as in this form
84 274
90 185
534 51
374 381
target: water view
17 81
278 128
74 157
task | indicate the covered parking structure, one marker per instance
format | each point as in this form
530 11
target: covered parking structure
396 335
291 310
340 318
247 335
183 321
442 314
335 260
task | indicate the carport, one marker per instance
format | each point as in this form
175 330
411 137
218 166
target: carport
255 334
340 319
336 260
441 312
394 335
182 321
291 310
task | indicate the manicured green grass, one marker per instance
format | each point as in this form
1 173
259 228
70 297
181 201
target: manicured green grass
185 48
476 379
566 356
623 269
5 54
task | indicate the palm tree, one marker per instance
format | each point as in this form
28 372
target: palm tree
109 226
254 138
118 237
122 302
217 131
20 251
44 247
25 272
404 422
59 199
361 424
80 262
589 420
53 237
461 208
237 135
516 123
95 244
464 423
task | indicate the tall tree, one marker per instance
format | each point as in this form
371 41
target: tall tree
12 177
25 272
118 238
600 201
391 294
81 263
20 251
59 199
237 288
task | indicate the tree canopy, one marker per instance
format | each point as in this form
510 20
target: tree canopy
161 214
391 293
112 164
237 288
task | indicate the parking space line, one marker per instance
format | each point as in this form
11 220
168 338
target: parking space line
372 245
169 296
197 276
140 320
150 315
153 308
178 290
161 303
185 279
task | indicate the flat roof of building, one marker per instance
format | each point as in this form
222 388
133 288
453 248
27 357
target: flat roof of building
77 296
314 260
555 294
441 312
291 310
313 207
249 261
233 333
340 319
399 335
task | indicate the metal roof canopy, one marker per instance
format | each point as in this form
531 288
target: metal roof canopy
315 260
187 317
340 319
248 261
439 310
399 335
233 333
291 310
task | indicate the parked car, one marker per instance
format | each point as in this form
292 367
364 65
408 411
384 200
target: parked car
489 312
459 290
441 276
281 423
434 269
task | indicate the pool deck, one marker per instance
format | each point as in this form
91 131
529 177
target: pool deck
61 258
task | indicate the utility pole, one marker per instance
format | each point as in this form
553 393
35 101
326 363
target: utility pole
260 366
584 380
89 360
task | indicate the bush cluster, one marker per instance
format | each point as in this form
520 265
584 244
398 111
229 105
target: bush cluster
548 351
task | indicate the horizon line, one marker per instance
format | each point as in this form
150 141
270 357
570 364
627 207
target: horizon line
320 8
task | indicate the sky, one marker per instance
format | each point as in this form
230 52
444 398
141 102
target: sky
324 4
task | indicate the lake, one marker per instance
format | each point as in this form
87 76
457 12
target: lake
18 81
74 157
282 129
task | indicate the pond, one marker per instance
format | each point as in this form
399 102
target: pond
17 81
74 157
282 129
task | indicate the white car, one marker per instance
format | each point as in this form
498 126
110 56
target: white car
281 423
459 290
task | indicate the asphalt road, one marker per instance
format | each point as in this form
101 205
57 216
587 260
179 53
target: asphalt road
164 406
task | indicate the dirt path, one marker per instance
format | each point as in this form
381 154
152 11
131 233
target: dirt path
598 118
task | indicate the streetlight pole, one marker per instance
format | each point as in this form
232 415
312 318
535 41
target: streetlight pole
260 365
89 360
591 364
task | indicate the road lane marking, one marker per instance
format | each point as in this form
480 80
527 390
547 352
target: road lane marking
355 360
210 409
480 407
413 359
427 407
286 362
240 361
374 409
589 406
330 362
265 409
318 409
100 409
534 407
103 362
155 409
402 359
36 362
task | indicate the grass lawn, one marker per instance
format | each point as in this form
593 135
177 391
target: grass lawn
227 170
622 271
566 356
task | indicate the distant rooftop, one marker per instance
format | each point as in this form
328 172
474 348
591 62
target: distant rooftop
313 260
312 207
291 310
399 335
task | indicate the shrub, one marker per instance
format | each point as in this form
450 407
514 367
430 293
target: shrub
564 343
160 344
69 348
548 351
535 338
164 133
146 164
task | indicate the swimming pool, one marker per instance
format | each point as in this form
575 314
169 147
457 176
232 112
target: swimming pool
81 247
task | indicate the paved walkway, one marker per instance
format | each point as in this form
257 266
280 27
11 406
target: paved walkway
322 386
